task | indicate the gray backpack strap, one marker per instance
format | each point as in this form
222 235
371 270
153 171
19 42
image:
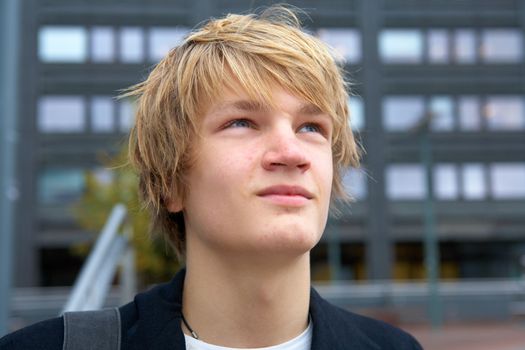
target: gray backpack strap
90 330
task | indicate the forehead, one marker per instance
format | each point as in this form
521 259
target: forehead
279 99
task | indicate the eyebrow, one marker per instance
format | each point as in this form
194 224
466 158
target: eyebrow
254 106
310 109
248 106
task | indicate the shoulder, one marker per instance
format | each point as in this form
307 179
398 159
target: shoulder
142 318
153 317
352 328
382 333
45 335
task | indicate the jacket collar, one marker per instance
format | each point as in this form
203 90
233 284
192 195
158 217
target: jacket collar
159 320
159 317
334 328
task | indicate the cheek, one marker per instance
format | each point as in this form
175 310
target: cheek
326 173
236 162
224 170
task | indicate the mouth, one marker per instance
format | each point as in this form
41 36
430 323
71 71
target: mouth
285 195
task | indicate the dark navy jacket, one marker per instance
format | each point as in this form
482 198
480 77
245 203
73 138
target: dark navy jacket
152 321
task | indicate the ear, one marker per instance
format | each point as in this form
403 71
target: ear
174 205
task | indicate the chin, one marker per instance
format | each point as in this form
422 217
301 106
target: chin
293 241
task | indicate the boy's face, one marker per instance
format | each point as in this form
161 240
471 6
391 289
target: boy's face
261 177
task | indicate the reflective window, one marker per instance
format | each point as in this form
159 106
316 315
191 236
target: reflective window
473 181
400 113
126 114
60 114
345 42
357 113
468 107
442 108
131 44
405 181
501 46
446 181
102 108
62 44
508 180
438 46
401 46
465 47
60 185
104 176
354 182
161 40
505 113
102 44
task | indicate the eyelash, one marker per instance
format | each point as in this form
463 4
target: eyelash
250 124
318 128
233 123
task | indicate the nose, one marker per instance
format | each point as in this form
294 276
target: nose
284 151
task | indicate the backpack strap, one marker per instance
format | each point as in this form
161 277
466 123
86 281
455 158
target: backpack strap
86 330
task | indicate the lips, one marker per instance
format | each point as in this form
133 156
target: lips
285 191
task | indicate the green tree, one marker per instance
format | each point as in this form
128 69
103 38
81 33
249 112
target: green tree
155 260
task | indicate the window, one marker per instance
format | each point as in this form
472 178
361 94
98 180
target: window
473 181
501 46
405 181
500 113
354 182
469 119
126 114
60 114
102 114
131 45
400 113
441 108
62 44
438 46
401 46
102 44
161 40
345 42
446 181
508 180
465 50
505 113
357 114
60 185
104 176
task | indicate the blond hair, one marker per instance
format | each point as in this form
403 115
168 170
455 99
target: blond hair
253 52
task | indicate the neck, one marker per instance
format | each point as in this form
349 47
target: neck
246 302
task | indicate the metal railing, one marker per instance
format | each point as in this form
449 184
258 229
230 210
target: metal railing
407 290
9 43
112 249
461 300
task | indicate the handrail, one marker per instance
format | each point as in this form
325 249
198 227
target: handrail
93 283
418 289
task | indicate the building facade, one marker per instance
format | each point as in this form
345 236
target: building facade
459 65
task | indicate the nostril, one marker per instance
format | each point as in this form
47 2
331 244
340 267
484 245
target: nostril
278 164
304 166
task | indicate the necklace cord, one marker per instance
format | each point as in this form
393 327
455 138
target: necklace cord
193 333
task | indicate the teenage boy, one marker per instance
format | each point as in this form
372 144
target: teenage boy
240 140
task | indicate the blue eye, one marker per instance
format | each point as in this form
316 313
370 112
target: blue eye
310 128
239 123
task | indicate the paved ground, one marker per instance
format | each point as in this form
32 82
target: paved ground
502 336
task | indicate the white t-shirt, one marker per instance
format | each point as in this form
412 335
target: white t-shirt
302 342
